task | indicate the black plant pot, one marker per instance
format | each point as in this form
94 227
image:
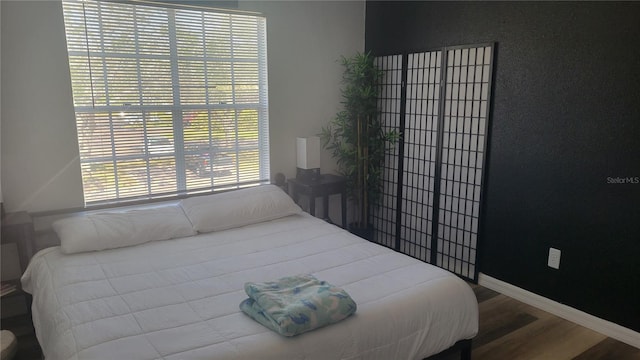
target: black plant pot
363 232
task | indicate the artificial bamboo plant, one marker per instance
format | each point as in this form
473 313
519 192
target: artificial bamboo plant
356 137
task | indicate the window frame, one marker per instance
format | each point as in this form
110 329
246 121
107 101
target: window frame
177 109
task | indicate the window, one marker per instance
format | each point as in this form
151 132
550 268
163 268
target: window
168 101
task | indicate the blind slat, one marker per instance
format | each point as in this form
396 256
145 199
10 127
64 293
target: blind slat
167 100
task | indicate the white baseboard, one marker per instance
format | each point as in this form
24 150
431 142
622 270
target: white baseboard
602 326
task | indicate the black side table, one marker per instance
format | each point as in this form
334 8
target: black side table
18 228
327 185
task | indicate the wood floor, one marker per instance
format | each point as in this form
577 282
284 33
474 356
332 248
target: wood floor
508 330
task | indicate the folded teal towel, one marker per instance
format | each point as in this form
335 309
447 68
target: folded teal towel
296 304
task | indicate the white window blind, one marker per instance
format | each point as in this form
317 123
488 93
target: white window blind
168 101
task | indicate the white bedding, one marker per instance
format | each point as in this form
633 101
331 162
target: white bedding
178 299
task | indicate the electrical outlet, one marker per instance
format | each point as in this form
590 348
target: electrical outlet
554 258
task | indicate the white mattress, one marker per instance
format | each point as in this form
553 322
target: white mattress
178 299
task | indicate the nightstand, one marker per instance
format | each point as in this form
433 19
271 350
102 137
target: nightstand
328 184
17 228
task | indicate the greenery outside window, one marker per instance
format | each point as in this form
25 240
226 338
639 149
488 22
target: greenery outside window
168 101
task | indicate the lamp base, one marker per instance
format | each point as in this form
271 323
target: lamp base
308 174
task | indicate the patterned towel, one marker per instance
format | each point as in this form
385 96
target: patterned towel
296 304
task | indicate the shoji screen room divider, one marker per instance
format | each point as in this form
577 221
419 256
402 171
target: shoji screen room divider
433 178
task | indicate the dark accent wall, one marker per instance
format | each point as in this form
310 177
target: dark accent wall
565 130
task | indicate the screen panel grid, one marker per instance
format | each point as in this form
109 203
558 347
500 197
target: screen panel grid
383 216
420 147
463 149
438 101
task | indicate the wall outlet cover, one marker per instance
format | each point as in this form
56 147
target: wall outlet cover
554 258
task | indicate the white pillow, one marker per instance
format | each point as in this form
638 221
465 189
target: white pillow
238 208
110 230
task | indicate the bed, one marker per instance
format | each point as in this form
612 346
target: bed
150 285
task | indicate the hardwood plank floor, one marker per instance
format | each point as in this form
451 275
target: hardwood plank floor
509 329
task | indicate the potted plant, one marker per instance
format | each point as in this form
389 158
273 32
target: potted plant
357 139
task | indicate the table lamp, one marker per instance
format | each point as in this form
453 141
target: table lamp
308 158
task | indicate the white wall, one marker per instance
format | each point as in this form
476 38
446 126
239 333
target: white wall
40 167
305 42
0 114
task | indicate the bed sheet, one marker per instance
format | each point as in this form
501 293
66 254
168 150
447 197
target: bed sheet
178 299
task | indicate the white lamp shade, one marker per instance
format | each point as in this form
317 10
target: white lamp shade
308 150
